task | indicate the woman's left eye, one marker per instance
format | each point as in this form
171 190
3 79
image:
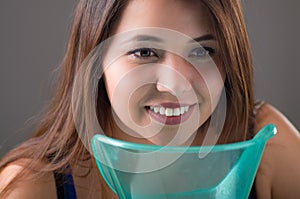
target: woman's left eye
202 52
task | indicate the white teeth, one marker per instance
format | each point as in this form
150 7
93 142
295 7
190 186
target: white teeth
182 110
176 112
186 108
162 111
169 111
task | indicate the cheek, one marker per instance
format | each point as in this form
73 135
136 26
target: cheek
124 90
209 86
110 80
113 75
209 82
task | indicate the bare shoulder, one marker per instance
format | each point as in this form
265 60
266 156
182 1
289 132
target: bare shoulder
278 175
42 187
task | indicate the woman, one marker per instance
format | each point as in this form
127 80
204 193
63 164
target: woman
55 159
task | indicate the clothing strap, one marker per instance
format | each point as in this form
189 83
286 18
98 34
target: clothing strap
253 192
64 185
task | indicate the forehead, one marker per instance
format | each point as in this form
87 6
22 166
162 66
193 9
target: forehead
189 17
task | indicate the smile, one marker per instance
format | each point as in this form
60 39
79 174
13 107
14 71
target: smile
170 114
169 111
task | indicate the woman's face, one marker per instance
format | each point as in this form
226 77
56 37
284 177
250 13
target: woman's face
163 83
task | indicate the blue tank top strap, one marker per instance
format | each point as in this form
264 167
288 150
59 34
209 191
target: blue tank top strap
65 185
253 192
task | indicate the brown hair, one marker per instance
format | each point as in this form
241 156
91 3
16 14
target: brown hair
236 58
56 140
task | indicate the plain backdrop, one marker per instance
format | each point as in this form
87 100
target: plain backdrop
33 36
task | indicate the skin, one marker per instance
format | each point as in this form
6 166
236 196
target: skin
278 174
181 83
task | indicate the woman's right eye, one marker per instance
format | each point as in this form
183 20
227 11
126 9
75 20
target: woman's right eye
143 53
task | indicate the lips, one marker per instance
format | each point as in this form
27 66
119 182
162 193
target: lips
170 113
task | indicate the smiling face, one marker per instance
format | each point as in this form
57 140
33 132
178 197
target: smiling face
162 77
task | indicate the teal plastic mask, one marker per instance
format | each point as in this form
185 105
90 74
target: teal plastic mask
139 171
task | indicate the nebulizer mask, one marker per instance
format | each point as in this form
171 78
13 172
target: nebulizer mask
166 163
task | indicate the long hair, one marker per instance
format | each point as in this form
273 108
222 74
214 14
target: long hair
56 141
236 58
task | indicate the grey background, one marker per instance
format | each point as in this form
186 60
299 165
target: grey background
33 36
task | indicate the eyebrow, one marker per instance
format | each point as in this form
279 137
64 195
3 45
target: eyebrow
157 39
144 38
204 38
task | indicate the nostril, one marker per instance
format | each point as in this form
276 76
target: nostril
172 81
165 88
176 88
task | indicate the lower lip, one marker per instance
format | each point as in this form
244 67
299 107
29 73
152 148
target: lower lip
171 120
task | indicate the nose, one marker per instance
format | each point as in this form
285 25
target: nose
174 75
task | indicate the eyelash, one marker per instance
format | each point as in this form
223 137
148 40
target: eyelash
207 50
151 52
